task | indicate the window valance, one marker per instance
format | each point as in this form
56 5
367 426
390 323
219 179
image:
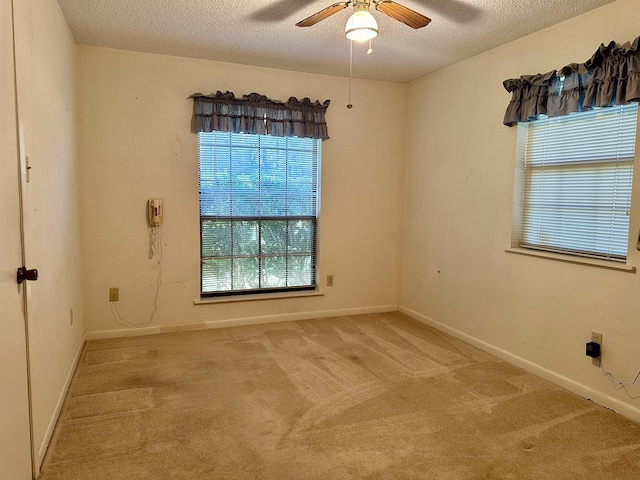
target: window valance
257 114
610 77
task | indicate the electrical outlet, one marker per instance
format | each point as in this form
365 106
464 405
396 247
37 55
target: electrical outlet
597 338
329 280
114 294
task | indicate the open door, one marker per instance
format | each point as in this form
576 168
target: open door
15 431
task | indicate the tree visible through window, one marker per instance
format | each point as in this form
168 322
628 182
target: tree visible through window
258 212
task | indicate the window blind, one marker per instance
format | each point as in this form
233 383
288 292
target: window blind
258 212
578 173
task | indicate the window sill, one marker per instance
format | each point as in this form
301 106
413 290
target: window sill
591 262
259 296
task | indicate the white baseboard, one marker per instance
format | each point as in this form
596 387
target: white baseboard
56 413
237 322
596 396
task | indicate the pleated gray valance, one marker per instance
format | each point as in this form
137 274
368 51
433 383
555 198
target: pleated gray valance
610 77
255 113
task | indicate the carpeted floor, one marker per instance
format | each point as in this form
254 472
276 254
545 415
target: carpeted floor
363 397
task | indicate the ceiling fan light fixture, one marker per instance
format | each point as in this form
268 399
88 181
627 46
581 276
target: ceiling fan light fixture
361 26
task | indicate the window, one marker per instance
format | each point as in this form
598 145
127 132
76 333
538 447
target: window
576 182
258 212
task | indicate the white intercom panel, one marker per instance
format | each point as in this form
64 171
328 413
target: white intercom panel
155 211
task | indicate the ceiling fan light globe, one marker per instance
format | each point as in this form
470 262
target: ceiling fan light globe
361 26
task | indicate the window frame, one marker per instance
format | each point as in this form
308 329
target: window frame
259 221
593 257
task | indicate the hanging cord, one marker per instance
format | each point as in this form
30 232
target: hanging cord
349 105
153 239
155 247
620 385
370 51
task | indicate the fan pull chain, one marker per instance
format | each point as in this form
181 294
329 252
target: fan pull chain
370 51
349 105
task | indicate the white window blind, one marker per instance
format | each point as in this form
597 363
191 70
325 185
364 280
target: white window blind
578 171
258 212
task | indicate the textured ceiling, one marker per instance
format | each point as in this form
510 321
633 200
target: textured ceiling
263 32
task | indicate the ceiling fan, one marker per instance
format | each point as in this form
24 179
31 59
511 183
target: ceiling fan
362 25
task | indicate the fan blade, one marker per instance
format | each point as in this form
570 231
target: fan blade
322 14
402 14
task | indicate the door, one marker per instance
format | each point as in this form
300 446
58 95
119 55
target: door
15 436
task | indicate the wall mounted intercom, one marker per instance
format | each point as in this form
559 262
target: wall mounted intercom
155 211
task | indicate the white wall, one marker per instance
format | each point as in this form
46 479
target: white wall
46 61
459 175
136 144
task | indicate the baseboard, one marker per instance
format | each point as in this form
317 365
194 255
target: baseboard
56 413
237 322
595 396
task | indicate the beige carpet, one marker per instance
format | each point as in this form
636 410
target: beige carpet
363 397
